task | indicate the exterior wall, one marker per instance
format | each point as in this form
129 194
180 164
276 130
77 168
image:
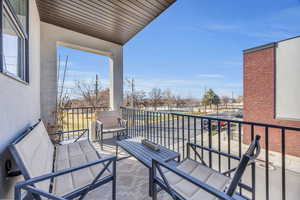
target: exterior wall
19 103
259 100
287 79
51 36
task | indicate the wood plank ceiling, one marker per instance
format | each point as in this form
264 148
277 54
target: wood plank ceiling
112 20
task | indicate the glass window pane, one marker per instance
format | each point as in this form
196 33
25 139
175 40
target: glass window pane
13 49
20 7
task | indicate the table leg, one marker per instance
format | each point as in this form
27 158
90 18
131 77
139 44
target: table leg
117 149
150 182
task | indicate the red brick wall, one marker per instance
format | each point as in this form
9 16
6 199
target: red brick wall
259 101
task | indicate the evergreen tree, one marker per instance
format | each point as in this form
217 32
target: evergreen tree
211 98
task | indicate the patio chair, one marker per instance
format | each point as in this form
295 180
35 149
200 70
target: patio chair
64 171
193 180
110 122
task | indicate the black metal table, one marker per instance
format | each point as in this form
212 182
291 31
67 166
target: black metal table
135 148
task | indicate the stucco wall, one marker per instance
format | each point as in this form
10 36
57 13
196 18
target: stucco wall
20 103
287 79
51 36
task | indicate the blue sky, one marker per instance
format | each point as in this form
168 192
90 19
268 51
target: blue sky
196 44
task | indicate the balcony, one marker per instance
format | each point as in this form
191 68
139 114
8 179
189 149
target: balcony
103 27
275 175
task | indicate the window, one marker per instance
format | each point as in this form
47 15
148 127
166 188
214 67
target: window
15 38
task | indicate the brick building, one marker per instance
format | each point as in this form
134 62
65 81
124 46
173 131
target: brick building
272 93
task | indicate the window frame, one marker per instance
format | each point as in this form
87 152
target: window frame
7 8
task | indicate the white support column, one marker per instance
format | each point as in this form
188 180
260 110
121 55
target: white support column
116 79
51 36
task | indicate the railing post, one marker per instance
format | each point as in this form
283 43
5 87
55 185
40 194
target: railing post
68 122
114 191
253 168
173 133
147 125
149 119
202 136
183 142
177 127
267 161
160 127
283 163
209 143
168 130
229 142
195 135
219 144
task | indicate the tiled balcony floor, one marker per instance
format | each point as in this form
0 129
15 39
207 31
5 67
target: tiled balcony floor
132 178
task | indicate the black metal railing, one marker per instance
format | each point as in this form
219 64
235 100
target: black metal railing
175 130
78 117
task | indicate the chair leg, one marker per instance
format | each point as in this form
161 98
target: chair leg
118 136
154 191
114 191
17 193
150 182
117 150
101 141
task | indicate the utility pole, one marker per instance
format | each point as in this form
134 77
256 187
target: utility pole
97 88
132 92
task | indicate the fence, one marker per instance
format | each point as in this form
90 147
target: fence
78 117
174 130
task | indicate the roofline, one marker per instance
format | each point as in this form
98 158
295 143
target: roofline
268 45
149 22
261 47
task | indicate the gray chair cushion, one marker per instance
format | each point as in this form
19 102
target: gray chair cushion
200 172
36 152
109 119
72 155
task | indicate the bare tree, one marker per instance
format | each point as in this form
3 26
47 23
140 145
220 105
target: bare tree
131 92
63 96
103 95
225 100
155 97
134 97
90 91
168 97
179 102
140 98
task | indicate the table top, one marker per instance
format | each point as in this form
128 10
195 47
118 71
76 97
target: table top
144 154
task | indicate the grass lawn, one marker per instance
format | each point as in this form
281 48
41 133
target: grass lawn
75 121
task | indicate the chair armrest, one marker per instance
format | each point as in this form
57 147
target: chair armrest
213 151
99 126
60 132
99 122
156 165
80 132
123 123
35 191
27 184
